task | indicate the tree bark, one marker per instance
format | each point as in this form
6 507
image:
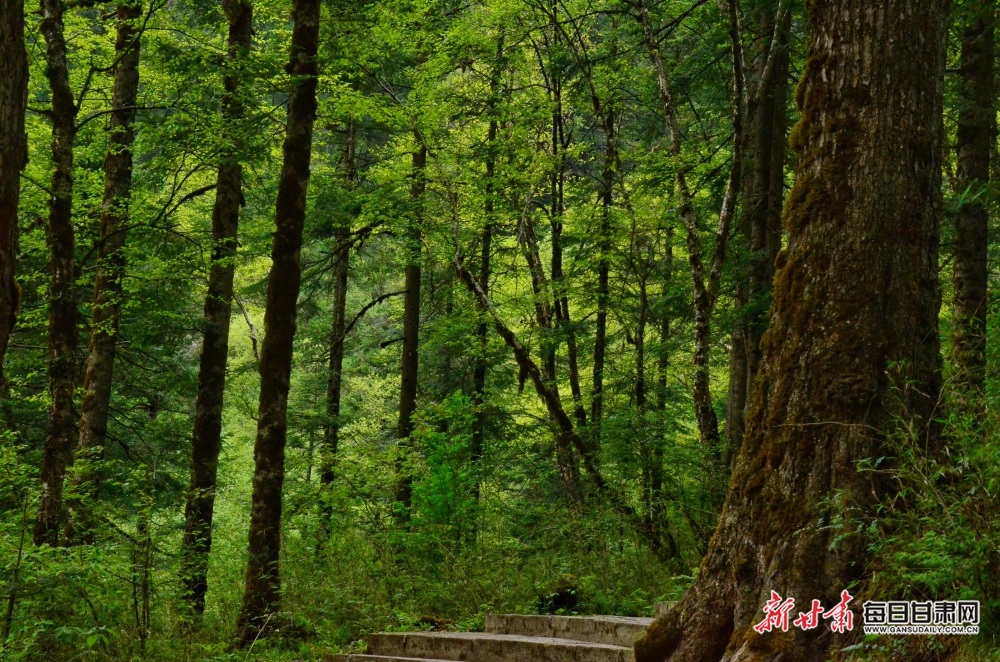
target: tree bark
338 331
603 270
410 360
63 336
482 332
13 159
977 129
760 221
108 294
262 590
207 437
705 283
853 342
561 299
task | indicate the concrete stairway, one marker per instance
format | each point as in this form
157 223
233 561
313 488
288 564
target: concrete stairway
513 638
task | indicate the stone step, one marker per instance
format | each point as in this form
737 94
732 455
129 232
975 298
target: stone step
486 647
357 657
661 608
613 630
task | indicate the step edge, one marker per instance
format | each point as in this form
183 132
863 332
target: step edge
503 637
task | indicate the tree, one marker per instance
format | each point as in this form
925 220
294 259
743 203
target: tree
13 158
410 361
976 143
110 272
338 330
705 285
761 202
60 236
262 591
853 344
207 438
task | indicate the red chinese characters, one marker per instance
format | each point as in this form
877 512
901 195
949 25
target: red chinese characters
775 614
777 609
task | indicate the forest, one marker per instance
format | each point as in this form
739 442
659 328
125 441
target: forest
325 318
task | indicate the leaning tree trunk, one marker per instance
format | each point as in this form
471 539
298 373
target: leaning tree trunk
262 591
977 126
63 333
410 360
13 158
108 293
853 342
207 438
762 200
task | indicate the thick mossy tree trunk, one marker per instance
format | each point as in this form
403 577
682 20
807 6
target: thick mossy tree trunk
108 293
410 359
760 223
63 334
977 128
262 591
207 438
853 342
13 158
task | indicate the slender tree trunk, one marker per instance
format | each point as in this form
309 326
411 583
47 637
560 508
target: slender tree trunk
207 436
13 158
657 488
556 211
410 361
977 129
853 341
603 270
108 294
334 379
482 333
705 283
63 334
761 216
262 590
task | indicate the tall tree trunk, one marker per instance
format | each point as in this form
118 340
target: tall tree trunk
262 590
482 332
410 360
977 128
207 437
108 294
853 342
13 158
705 283
63 334
658 496
563 321
603 271
762 197
334 378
